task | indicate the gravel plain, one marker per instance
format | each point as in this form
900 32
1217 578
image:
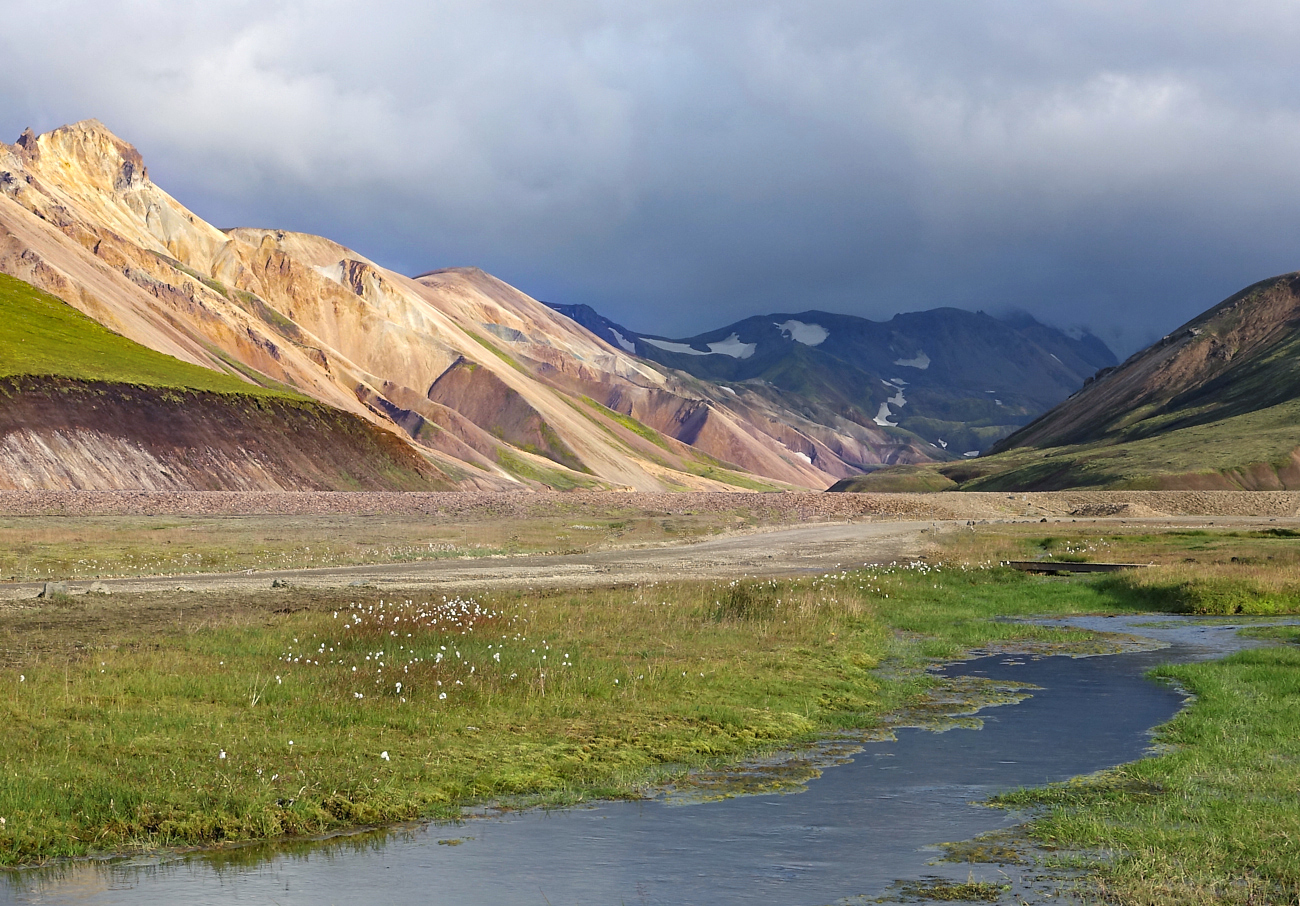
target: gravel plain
799 533
778 508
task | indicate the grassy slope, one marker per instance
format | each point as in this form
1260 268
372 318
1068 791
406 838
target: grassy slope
1197 454
44 336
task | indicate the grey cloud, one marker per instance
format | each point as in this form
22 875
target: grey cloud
676 165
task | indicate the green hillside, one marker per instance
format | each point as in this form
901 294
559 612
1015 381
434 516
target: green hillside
41 335
1215 404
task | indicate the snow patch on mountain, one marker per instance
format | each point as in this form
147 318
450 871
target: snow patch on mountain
669 346
882 417
920 360
730 346
622 341
807 334
733 347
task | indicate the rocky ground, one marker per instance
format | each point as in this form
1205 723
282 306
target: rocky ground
796 532
791 508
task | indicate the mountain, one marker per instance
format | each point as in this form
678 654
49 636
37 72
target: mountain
491 388
952 381
1214 404
85 408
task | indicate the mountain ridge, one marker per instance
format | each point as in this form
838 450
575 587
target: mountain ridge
981 378
1214 404
80 218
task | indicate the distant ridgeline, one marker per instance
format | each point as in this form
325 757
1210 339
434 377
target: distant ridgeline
958 381
1213 405
484 385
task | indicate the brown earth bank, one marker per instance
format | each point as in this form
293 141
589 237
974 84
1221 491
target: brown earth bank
58 433
774 508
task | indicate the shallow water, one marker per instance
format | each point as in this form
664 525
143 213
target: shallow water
854 831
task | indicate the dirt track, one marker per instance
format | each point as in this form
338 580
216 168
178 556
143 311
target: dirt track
801 536
774 552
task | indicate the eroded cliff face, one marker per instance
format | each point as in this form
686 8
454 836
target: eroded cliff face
58 434
456 362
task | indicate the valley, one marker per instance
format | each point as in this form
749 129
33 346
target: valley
323 547
661 679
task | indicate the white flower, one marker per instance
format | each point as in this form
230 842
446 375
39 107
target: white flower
384 755
21 678
222 756
442 695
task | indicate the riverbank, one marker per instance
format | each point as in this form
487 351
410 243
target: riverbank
1214 817
141 721
260 715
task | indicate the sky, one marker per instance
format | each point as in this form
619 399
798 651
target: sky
1117 166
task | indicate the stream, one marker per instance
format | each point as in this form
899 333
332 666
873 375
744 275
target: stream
845 838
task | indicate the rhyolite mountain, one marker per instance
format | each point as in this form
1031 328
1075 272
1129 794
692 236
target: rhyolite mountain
491 388
83 408
956 380
1214 404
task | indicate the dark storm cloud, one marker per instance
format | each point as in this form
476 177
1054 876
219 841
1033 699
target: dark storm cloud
680 164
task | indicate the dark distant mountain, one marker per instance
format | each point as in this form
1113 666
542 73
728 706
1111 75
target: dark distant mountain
1215 404
958 380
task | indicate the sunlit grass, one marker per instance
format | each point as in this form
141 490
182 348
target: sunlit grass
259 723
139 722
41 335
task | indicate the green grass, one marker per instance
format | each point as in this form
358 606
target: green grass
1215 453
44 336
630 423
118 744
707 467
112 738
553 478
1235 451
498 352
1213 820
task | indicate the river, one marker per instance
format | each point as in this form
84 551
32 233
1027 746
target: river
850 834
